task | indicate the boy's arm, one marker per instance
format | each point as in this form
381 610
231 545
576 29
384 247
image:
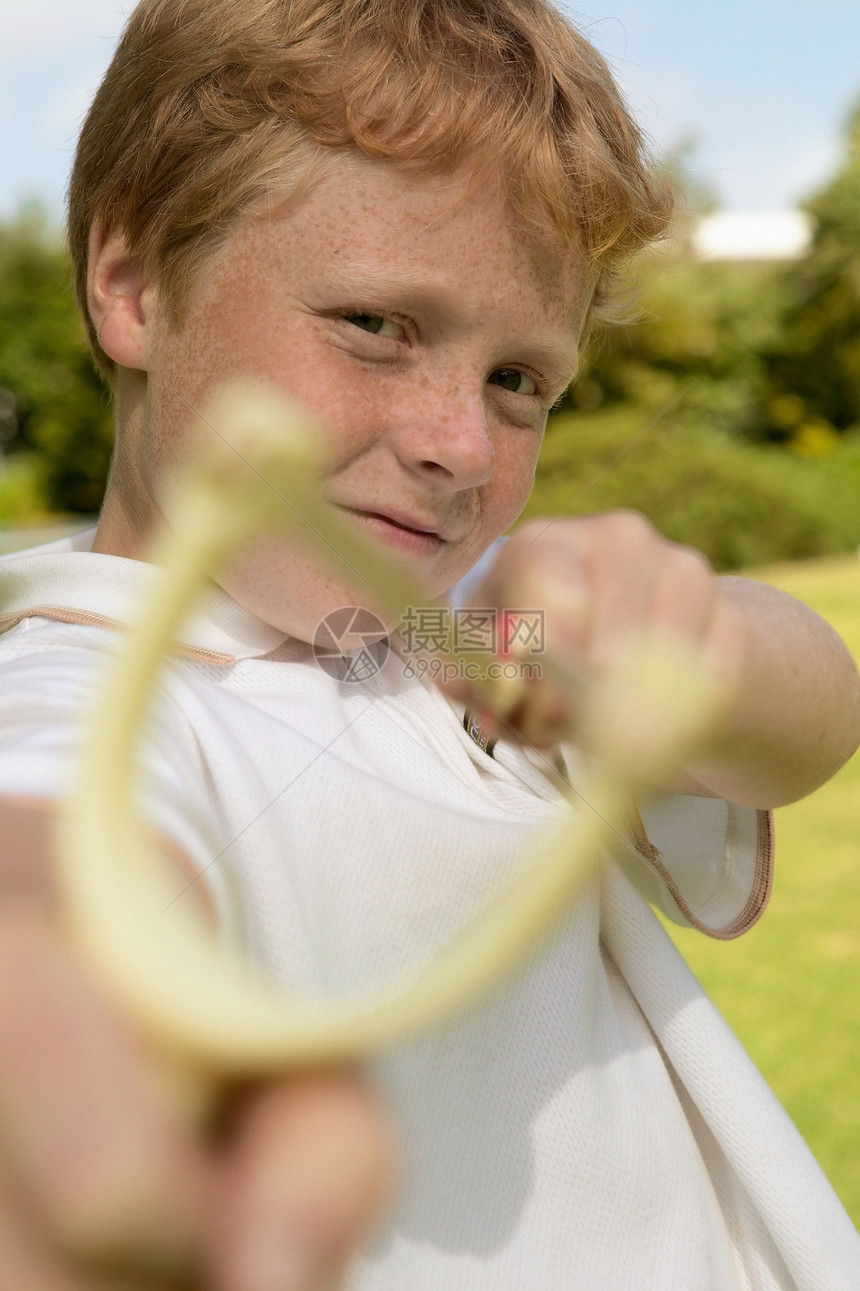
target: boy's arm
791 694
794 715
98 1168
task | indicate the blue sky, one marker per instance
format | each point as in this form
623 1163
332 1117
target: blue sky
762 86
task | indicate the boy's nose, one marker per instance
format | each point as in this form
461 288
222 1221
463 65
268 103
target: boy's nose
450 442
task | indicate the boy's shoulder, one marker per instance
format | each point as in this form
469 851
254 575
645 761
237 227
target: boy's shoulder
65 582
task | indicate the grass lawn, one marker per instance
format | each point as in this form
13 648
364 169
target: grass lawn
791 986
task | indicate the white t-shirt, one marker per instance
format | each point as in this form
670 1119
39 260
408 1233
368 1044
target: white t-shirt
594 1125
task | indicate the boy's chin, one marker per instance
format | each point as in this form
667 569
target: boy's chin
314 610
303 599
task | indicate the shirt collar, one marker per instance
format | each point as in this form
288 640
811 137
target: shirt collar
66 580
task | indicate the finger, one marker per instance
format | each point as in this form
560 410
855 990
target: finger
306 1171
26 1263
684 596
620 568
544 716
84 1128
26 827
544 573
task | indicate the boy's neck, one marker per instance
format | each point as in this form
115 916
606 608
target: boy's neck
128 512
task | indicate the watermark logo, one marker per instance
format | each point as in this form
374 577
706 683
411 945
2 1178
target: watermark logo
474 644
351 644
435 643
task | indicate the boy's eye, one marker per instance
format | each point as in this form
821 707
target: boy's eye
376 324
513 379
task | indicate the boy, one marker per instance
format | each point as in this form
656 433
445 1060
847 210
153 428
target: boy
403 215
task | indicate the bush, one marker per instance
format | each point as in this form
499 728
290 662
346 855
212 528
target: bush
52 404
702 330
738 503
813 366
22 498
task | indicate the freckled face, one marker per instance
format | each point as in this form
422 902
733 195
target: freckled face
422 330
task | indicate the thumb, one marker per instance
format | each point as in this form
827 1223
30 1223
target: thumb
307 1165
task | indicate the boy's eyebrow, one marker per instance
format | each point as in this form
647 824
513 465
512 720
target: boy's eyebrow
441 297
560 361
559 364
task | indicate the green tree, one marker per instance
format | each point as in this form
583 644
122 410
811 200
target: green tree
698 330
55 416
813 373
701 336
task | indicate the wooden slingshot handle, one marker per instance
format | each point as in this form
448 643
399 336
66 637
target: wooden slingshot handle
199 1001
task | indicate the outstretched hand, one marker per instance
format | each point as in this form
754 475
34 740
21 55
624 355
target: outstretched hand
607 582
104 1183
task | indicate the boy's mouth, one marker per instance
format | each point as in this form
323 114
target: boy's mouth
407 533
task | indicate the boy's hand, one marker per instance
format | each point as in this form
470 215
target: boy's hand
104 1185
791 706
603 581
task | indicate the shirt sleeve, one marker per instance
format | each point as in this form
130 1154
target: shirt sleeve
705 863
51 676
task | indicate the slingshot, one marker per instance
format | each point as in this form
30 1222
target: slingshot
199 1002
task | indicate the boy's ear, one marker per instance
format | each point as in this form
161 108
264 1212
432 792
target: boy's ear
121 300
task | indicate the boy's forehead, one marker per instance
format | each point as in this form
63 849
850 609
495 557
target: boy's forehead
384 218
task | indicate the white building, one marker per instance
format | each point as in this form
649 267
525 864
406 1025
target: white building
752 235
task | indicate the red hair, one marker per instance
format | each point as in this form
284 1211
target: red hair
212 109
